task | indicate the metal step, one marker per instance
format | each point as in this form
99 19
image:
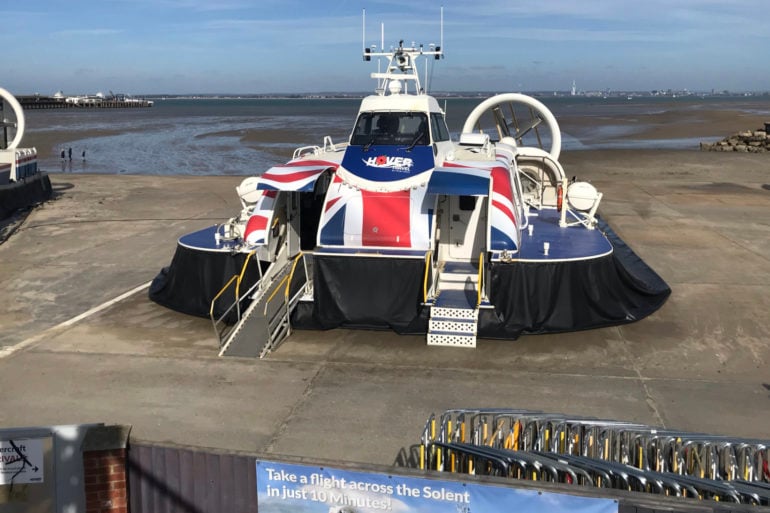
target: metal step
457 285
249 336
446 277
459 267
463 326
458 276
451 339
453 320
456 299
443 312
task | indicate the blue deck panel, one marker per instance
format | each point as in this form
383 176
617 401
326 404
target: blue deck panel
569 243
204 240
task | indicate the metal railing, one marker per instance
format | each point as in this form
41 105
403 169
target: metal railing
524 444
480 279
316 150
539 183
220 324
429 274
279 322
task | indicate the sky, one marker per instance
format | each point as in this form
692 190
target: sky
148 47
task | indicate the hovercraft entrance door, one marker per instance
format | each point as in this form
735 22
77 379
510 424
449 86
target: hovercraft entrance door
454 313
466 227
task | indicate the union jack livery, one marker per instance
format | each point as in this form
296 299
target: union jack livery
297 175
358 218
404 228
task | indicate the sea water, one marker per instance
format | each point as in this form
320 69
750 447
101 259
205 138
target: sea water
202 137
247 136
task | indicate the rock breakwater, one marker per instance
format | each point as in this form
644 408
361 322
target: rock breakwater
748 141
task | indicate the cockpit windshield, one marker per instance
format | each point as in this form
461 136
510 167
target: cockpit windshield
375 128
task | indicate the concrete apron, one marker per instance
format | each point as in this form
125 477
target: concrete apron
82 343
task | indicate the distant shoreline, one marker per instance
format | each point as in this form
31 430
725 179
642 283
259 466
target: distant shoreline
623 95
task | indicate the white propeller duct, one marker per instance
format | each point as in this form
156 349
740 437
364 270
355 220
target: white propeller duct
19 112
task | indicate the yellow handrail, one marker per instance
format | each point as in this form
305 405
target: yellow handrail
277 289
291 275
428 256
237 277
211 310
243 271
481 264
286 279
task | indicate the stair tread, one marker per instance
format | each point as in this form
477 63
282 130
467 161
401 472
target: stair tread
452 298
457 275
453 320
451 340
251 334
460 267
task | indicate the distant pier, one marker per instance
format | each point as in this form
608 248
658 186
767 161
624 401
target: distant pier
50 102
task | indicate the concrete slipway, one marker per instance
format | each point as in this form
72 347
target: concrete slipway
701 220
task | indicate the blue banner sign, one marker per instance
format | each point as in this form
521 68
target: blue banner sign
290 488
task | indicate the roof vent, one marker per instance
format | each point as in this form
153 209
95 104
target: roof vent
474 139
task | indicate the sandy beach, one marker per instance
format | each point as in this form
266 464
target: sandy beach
680 123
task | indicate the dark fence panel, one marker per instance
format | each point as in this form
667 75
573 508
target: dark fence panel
167 479
179 480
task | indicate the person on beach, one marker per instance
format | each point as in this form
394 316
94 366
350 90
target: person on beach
62 155
84 155
70 153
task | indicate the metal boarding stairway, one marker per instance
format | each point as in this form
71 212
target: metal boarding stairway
265 321
454 314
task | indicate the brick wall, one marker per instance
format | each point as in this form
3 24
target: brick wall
105 481
104 470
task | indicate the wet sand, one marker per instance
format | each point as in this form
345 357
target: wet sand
697 121
673 124
50 143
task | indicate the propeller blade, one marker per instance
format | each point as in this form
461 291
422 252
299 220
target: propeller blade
526 128
502 125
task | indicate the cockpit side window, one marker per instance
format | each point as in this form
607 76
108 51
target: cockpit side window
394 128
439 129
363 129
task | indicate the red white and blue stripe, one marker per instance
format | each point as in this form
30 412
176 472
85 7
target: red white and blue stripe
503 232
297 175
503 223
255 233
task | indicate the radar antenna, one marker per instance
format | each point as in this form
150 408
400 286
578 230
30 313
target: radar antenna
401 66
